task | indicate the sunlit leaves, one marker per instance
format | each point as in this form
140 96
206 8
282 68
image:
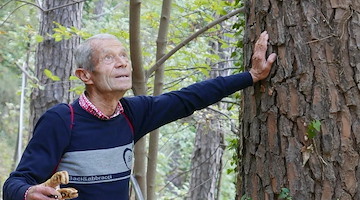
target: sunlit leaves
39 38
78 89
233 145
65 33
238 3
73 78
78 32
50 75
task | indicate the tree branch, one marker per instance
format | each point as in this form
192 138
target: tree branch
5 4
177 81
35 5
186 69
69 4
11 14
50 9
233 129
30 3
190 38
36 81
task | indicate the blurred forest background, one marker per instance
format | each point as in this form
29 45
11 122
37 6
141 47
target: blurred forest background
214 52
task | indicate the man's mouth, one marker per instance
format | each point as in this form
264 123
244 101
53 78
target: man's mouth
122 76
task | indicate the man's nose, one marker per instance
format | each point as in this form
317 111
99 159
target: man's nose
121 61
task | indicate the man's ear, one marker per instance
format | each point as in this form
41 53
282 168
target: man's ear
83 75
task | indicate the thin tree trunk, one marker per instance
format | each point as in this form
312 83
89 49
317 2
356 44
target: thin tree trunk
209 140
139 88
98 10
55 56
316 77
206 163
158 89
19 141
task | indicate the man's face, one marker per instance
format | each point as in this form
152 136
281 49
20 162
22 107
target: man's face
112 71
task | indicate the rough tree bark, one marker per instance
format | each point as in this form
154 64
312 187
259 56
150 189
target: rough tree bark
316 77
54 56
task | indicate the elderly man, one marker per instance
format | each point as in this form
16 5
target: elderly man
93 138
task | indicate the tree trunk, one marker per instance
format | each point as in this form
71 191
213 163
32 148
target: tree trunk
209 141
99 8
55 56
316 77
139 88
158 89
206 163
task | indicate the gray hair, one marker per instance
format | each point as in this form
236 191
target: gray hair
84 52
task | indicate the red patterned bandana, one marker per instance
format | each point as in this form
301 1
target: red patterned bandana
90 108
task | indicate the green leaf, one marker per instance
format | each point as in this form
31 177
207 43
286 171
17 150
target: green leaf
311 133
284 193
39 38
48 73
230 35
175 40
285 190
57 30
245 197
233 54
78 89
57 37
316 124
313 128
224 46
55 78
229 171
73 78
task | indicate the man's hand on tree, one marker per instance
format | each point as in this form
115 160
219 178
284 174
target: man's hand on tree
260 65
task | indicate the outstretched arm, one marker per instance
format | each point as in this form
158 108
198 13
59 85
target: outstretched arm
148 113
260 65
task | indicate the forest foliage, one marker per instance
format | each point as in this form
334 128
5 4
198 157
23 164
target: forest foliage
19 37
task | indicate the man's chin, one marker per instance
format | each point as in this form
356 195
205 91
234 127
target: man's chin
124 88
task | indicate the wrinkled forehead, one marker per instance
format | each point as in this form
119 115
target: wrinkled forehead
103 44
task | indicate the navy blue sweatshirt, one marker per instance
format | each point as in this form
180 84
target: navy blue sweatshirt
98 153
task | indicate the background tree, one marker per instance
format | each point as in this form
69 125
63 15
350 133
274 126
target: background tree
55 55
161 44
300 127
209 145
139 88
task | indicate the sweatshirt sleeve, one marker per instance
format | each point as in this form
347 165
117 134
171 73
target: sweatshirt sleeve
41 156
148 113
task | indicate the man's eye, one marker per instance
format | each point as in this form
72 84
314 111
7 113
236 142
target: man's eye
108 57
